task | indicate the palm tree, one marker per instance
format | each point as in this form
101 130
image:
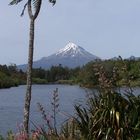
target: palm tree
33 11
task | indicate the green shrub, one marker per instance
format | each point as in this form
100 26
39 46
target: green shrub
109 114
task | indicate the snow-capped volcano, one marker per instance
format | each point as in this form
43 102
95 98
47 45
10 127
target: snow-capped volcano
70 47
71 56
72 50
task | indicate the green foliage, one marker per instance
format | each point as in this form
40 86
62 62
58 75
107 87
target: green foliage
1 137
10 135
10 76
58 73
109 114
54 74
112 116
39 81
85 76
126 69
39 73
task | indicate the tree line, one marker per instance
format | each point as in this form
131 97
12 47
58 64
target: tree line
87 75
84 76
10 76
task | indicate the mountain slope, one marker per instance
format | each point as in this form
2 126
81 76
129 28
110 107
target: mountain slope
71 56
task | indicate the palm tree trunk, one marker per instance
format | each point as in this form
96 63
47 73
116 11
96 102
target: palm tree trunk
29 78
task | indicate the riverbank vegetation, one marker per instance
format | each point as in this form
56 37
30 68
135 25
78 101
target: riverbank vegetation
84 76
10 76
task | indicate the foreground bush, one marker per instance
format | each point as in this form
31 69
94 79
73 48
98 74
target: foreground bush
110 114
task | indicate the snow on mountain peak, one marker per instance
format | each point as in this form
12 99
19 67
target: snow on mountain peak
70 49
71 45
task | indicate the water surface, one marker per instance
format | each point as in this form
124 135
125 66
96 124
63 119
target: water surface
12 103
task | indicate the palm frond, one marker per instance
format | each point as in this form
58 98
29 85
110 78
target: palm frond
36 4
52 1
15 2
24 9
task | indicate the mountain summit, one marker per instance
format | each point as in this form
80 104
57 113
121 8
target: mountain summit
72 50
70 56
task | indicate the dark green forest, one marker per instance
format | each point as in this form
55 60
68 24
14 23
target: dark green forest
11 76
85 76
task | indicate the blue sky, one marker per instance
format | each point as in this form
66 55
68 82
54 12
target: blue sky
106 28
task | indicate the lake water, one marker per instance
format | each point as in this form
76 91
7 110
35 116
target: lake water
12 103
